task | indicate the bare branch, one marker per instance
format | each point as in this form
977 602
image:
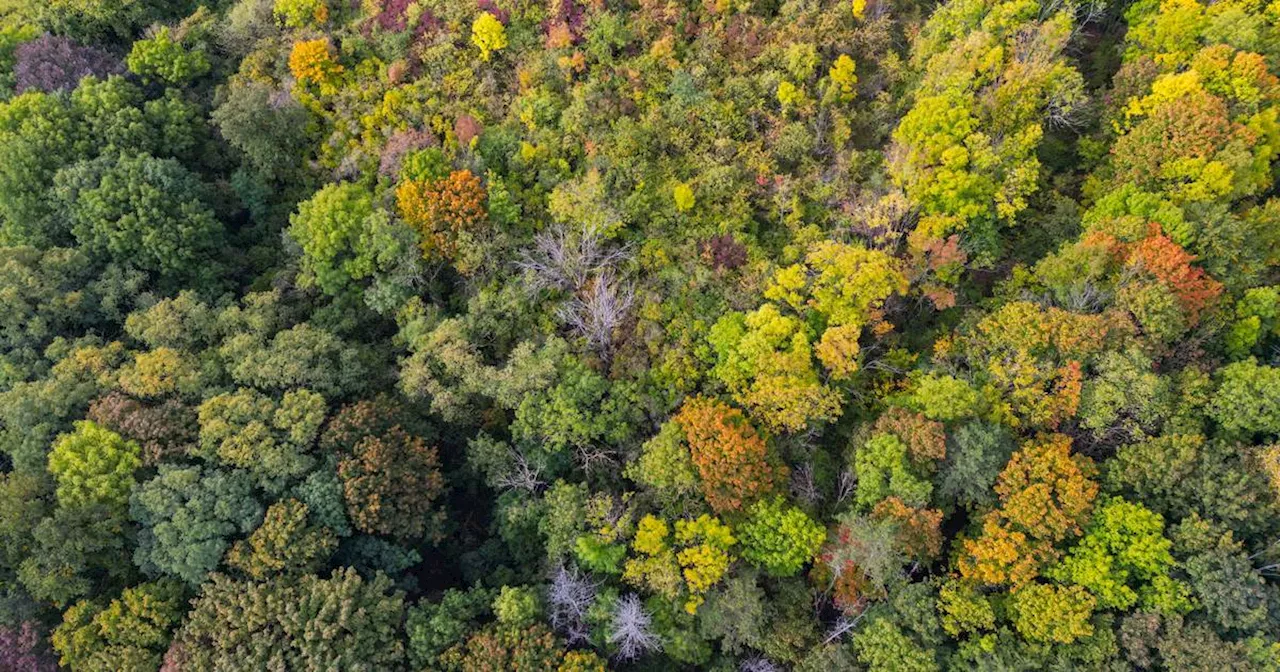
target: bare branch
631 629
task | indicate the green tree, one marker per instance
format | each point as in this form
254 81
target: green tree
1247 401
343 622
130 633
436 627
270 440
77 552
163 57
188 516
779 538
1124 560
146 212
94 465
344 241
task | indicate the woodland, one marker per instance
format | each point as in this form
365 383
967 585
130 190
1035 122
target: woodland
641 335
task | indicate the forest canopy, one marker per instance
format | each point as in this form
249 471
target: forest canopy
574 335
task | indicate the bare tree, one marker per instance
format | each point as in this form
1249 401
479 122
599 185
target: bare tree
565 259
757 663
591 458
845 485
583 264
803 485
844 623
569 596
598 309
631 629
522 475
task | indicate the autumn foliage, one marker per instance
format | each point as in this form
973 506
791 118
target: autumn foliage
1046 496
390 478
731 457
442 210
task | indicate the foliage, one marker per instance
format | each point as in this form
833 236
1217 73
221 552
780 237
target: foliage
779 538
447 212
390 478
341 622
52 63
131 632
166 59
573 335
730 457
93 465
267 439
188 515
284 544
140 210
488 34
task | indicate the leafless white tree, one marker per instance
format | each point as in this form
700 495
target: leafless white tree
591 458
597 309
569 596
845 485
583 264
565 259
803 485
631 629
844 623
522 475
757 664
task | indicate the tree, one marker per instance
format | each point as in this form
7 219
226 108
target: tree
1046 496
883 470
780 539
976 453
665 466
165 58
1229 591
140 210
436 627
164 430
301 13
1124 559
1046 490
882 646
765 358
344 240
499 648
967 155
1207 478
22 649
130 633
684 565
488 34
1247 401
1046 613
448 213
285 544
267 125
77 552
343 622
52 63
94 465
40 135
270 440
731 458
312 63
846 286
188 515
390 478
